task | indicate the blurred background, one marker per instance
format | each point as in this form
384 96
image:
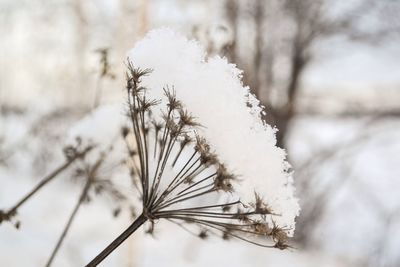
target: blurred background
328 73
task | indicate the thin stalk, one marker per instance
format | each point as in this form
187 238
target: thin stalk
164 141
197 183
234 235
189 192
208 214
155 143
179 179
155 189
118 241
90 178
69 222
167 190
12 211
184 178
146 154
178 155
165 205
157 176
216 226
135 126
202 207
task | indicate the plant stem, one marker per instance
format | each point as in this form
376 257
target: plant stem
82 197
118 241
12 211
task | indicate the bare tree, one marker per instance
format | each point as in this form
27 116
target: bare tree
231 10
285 36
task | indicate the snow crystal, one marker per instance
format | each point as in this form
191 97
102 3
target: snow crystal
212 90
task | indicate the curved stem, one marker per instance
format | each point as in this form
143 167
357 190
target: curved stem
118 241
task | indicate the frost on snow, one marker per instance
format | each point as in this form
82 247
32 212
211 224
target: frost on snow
211 89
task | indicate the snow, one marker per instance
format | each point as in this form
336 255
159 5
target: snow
211 89
34 75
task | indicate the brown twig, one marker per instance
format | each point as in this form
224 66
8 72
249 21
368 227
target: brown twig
189 182
82 198
118 241
91 177
6 216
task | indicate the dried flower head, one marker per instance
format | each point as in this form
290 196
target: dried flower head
178 171
211 91
187 174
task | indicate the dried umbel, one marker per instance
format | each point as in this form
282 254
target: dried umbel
212 91
181 179
170 194
200 154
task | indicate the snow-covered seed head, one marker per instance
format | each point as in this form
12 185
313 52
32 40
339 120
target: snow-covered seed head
197 129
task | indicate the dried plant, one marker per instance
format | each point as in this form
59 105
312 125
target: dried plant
171 185
72 154
175 165
92 173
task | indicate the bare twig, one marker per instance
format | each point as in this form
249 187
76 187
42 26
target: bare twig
118 241
161 192
82 197
91 177
6 216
